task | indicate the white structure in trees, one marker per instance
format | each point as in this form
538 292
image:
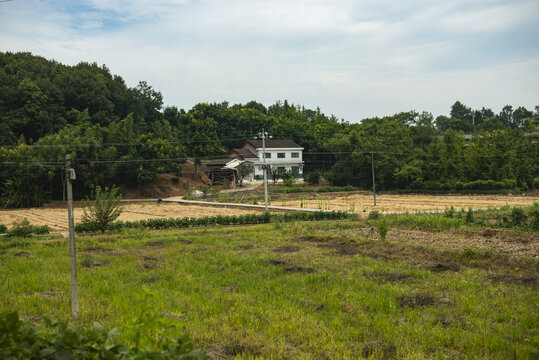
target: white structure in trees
283 154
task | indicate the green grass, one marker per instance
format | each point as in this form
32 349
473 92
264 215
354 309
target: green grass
305 290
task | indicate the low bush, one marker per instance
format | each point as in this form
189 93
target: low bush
313 177
103 209
518 217
373 215
449 213
382 227
3 229
22 229
469 216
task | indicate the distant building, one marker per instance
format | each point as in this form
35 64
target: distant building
283 154
222 171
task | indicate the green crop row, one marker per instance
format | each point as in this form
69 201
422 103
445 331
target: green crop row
217 220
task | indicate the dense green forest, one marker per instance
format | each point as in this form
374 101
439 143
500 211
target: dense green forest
48 109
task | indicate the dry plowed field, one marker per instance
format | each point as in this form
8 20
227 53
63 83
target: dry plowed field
56 218
364 203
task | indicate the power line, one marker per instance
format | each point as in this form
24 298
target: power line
59 164
140 143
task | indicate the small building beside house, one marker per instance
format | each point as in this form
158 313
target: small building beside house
284 154
222 171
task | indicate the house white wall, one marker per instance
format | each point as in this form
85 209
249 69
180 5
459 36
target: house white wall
286 158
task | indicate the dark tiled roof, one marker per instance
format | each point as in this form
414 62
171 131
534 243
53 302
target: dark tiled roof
270 143
215 162
244 153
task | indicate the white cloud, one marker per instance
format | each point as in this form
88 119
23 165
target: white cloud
352 58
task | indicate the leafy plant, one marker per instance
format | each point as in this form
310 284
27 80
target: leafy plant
274 172
373 215
3 229
244 169
103 209
288 178
469 216
534 217
22 229
518 217
313 178
301 199
449 213
17 193
22 340
382 227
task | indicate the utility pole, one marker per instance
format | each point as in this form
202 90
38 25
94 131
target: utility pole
263 135
373 181
70 175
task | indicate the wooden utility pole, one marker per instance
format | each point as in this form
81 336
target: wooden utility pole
70 175
373 181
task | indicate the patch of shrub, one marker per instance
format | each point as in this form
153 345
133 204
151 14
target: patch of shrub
382 227
518 217
469 216
22 229
103 209
22 340
534 217
288 178
338 188
264 218
3 229
373 215
313 177
449 213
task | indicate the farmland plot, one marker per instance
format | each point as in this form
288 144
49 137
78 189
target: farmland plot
364 203
56 218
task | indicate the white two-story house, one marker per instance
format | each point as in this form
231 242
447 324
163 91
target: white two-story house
283 154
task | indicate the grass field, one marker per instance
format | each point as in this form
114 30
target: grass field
304 290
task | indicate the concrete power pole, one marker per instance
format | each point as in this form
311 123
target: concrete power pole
373 181
265 167
70 175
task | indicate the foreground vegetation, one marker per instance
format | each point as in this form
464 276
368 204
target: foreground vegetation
21 340
324 289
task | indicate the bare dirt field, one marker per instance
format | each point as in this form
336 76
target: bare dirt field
56 217
364 203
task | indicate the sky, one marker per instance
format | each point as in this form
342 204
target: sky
352 58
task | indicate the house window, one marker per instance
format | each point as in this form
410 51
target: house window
268 155
295 155
295 170
280 155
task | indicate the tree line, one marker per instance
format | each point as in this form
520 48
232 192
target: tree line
48 109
